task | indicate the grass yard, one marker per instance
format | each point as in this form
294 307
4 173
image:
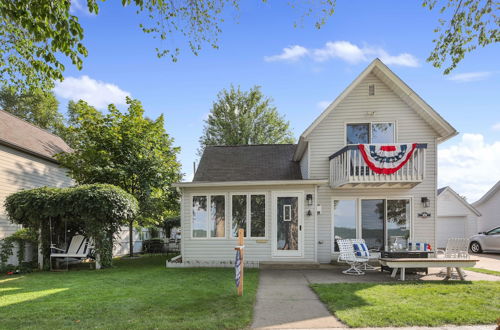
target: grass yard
137 293
484 271
412 304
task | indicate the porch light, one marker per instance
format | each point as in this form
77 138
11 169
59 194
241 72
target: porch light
309 198
425 202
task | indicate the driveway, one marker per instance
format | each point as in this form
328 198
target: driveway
488 261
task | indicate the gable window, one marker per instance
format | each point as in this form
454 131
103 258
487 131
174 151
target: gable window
364 133
209 216
248 212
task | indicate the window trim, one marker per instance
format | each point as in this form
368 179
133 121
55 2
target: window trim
370 123
359 228
249 214
208 196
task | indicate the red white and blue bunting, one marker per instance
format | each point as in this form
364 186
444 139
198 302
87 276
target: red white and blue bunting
386 159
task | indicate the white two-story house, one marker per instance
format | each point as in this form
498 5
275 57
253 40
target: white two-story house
365 168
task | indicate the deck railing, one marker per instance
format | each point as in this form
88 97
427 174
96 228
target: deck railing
349 169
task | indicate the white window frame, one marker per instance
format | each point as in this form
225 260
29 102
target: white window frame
248 229
359 227
370 123
208 196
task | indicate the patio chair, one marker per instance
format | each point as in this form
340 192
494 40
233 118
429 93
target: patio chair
79 248
455 248
361 250
348 256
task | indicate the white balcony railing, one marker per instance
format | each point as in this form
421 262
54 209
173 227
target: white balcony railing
348 169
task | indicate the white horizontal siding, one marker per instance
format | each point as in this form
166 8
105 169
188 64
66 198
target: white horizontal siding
222 249
329 137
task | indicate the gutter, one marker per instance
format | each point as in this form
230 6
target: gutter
28 151
248 183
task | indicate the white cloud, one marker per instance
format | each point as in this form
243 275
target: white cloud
469 76
79 7
470 166
323 104
496 127
96 93
346 51
292 53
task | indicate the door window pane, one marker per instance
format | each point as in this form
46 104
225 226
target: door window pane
199 216
239 214
382 133
398 223
217 216
288 223
372 222
344 220
357 133
258 215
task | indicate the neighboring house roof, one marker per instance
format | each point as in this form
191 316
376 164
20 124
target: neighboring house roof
21 135
488 194
379 69
460 198
264 162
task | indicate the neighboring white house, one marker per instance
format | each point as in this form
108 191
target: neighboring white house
293 200
489 206
27 161
456 218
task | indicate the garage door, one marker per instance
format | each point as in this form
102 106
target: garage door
449 227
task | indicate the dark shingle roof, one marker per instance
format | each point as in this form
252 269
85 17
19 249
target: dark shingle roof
19 134
248 163
440 190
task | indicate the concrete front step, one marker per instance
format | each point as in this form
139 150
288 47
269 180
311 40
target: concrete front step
288 265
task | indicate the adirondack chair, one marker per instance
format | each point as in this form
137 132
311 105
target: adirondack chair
79 248
368 253
457 248
347 255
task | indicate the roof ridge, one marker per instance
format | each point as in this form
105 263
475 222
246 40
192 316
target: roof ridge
31 124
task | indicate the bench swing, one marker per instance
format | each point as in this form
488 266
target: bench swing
79 248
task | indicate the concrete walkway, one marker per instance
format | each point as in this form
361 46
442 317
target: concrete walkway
285 301
488 261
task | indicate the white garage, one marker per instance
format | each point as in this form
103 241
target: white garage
456 218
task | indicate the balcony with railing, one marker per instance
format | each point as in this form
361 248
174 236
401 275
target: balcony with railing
375 165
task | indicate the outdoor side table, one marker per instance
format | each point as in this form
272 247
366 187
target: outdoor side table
406 254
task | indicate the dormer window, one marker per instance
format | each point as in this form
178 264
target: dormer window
366 133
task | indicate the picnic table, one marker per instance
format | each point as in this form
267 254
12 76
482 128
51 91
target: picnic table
402 263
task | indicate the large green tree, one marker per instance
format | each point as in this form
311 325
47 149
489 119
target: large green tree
35 106
238 117
127 150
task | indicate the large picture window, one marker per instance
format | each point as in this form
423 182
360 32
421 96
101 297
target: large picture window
209 216
248 212
344 220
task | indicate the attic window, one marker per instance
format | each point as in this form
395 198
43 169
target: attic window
371 89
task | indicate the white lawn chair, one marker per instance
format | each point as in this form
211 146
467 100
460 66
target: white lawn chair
79 248
457 248
368 253
347 255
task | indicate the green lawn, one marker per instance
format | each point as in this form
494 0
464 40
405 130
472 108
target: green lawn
412 304
137 293
484 271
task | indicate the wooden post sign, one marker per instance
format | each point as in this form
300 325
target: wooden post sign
239 262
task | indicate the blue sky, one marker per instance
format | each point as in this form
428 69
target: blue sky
317 66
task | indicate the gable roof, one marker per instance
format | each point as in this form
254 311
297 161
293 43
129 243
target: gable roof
248 163
21 135
460 199
490 193
381 71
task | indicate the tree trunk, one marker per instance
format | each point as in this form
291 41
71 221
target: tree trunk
131 238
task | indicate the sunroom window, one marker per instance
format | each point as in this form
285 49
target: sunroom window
209 221
248 212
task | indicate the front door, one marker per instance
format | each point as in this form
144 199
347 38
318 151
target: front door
287 224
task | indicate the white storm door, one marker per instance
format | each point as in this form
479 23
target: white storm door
288 226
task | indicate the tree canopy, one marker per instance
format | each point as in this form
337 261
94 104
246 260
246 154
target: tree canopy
238 117
35 106
127 150
96 211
